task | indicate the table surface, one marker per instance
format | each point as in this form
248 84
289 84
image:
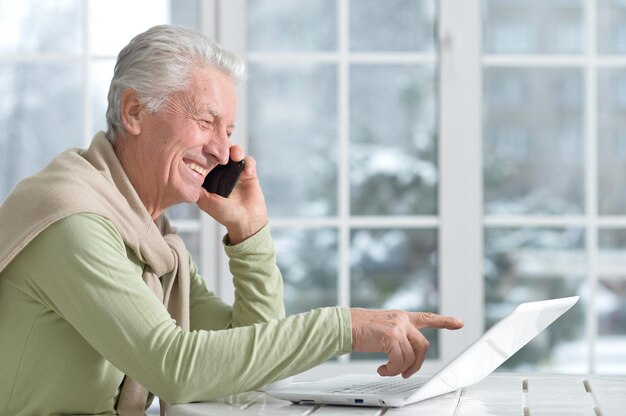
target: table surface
498 395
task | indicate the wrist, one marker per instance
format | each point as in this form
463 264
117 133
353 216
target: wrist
355 326
241 232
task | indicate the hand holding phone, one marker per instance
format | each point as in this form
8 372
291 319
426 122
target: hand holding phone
222 179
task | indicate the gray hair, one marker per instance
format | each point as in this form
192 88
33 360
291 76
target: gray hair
158 63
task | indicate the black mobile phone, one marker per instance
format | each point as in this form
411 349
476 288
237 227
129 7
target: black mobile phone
222 179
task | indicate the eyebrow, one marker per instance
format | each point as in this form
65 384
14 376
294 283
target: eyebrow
217 114
213 112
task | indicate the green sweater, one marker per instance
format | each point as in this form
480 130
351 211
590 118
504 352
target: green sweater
75 316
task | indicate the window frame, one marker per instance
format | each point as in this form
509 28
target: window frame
458 222
461 221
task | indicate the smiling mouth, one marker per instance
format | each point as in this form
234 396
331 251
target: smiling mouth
196 168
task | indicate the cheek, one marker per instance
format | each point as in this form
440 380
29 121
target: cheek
160 156
171 141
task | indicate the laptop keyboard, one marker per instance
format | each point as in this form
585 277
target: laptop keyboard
384 386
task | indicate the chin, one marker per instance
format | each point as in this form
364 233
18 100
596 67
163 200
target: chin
189 196
196 195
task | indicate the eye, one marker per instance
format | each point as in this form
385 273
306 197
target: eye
205 123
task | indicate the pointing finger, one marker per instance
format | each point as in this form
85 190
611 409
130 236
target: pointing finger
433 320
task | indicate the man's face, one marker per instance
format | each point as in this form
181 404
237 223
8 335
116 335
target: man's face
187 137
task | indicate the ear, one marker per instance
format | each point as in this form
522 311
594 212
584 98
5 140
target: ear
131 112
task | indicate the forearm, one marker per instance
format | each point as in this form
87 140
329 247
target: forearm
99 291
257 280
203 365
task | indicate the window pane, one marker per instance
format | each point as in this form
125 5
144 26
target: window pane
395 269
533 26
192 242
392 25
611 342
292 25
38 118
533 141
308 262
611 302
612 254
101 74
40 26
293 136
393 168
611 25
611 140
114 23
185 13
527 264
184 212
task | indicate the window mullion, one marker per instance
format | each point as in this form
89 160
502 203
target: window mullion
343 189
86 69
591 182
207 17
460 163
230 31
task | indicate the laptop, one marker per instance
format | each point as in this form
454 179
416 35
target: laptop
479 360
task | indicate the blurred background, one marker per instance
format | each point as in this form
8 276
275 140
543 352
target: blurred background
455 157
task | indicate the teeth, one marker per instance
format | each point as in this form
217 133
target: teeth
199 169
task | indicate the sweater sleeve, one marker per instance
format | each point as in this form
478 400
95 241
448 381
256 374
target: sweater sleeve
79 267
257 280
207 311
258 287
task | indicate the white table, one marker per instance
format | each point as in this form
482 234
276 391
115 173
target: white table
497 395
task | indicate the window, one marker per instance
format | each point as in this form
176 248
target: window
459 157
341 111
342 114
493 180
553 219
57 62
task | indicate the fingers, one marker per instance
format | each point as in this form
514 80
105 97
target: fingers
433 320
236 153
420 347
397 334
396 362
250 166
406 357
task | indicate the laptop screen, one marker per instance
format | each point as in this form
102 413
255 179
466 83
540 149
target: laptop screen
498 344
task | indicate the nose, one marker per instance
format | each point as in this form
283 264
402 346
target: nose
219 147
223 154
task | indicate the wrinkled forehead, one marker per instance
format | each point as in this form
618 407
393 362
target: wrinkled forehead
209 92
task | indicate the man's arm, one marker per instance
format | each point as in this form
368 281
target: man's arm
258 288
393 332
207 311
257 280
89 281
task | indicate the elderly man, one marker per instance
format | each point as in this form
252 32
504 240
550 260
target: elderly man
99 301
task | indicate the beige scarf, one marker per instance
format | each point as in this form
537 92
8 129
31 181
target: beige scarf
93 181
